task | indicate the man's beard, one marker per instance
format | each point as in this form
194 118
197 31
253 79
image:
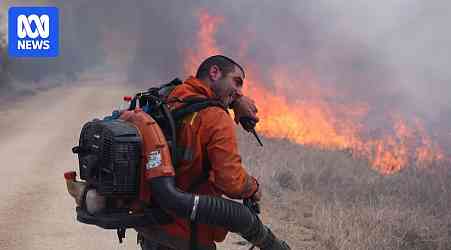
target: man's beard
224 95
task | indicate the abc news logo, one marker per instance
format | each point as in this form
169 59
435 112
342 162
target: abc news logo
33 32
24 30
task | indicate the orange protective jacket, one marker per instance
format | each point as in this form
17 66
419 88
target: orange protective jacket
207 137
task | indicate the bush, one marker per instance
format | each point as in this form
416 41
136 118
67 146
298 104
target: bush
3 62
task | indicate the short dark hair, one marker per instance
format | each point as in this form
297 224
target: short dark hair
225 64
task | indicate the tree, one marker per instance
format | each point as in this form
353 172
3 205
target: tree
4 62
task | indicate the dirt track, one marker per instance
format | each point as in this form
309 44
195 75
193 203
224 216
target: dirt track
36 139
37 135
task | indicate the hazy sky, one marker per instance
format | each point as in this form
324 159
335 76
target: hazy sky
392 52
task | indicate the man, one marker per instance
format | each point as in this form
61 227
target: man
210 163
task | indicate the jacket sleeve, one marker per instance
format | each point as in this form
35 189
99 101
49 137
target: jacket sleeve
227 172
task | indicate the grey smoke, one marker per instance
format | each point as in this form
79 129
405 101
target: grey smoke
411 40
393 54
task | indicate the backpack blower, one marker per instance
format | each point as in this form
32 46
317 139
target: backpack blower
128 177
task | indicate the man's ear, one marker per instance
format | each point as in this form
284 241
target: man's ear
214 73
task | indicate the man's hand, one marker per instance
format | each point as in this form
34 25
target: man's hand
258 195
253 202
244 107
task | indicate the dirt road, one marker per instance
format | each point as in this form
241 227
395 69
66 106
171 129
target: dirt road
37 135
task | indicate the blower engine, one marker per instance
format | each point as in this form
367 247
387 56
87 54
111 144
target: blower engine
110 161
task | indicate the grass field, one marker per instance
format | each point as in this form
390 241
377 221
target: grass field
319 199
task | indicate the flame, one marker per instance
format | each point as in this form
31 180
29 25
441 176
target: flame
206 42
313 119
308 121
429 152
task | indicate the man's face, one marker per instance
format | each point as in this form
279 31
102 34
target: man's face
227 87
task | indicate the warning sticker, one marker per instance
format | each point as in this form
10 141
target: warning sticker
153 159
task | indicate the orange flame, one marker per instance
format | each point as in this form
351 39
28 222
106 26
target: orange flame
313 120
206 42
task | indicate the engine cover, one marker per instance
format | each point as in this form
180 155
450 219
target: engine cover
109 157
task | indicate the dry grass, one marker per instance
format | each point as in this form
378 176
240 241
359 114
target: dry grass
320 199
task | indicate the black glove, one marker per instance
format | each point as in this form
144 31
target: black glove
253 205
248 123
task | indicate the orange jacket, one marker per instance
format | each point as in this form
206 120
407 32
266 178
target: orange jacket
207 137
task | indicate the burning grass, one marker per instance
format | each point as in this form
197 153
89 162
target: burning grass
341 203
320 116
343 185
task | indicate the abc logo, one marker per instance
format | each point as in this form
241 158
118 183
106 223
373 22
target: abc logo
24 30
33 32
24 26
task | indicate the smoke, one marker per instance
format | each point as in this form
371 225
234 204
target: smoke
80 50
390 54
393 54
410 40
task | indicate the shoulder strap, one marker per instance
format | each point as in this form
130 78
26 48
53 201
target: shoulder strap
191 106
194 105
206 166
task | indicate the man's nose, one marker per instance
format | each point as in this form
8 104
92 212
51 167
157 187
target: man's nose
239 92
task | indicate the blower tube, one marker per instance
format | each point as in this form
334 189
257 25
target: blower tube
228 214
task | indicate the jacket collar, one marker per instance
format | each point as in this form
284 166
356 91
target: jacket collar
196 87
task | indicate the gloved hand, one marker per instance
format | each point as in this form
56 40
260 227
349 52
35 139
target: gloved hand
245 112
257 196
252 202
